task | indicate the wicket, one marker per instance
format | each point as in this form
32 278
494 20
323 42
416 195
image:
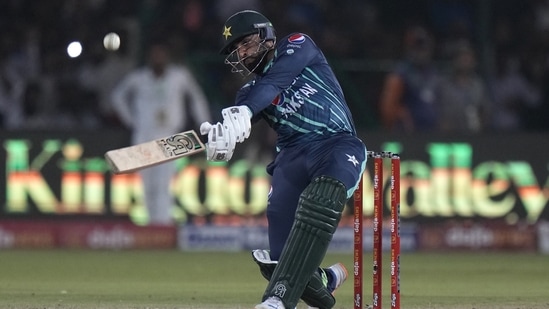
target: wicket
378 233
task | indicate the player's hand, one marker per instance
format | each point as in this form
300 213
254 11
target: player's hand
221 142
238 120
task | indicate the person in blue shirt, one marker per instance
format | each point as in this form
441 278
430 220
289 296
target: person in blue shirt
410 97
319 159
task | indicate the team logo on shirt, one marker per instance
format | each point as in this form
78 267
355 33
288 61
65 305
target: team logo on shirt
296 38
352 159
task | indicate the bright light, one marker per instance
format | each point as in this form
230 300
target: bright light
74 49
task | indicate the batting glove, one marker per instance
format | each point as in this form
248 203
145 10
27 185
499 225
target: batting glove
221 142
238 120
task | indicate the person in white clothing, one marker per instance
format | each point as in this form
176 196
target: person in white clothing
151 101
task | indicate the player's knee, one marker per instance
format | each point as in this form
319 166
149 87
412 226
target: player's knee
326 192
322 203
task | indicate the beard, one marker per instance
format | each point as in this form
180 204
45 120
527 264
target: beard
256 62
252 63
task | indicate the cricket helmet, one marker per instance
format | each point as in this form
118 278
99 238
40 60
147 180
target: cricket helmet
242 24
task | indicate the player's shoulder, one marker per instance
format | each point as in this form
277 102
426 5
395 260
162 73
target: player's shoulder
178 70
296 40
137 75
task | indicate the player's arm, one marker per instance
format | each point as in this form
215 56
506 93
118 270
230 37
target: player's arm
120 98
200 108
288 64
390 105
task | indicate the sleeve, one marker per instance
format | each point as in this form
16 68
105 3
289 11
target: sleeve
120 98
241 96
290 60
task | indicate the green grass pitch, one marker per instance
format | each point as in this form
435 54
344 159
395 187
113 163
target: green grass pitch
175 279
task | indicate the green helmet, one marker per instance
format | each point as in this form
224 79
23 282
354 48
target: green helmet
245 23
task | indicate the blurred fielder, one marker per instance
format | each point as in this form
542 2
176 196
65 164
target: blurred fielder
151 101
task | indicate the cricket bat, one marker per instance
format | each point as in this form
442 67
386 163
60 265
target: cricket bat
158 151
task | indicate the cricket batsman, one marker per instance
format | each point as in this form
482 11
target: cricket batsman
319 160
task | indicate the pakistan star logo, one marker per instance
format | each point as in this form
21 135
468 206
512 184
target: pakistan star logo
227 32
352 159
